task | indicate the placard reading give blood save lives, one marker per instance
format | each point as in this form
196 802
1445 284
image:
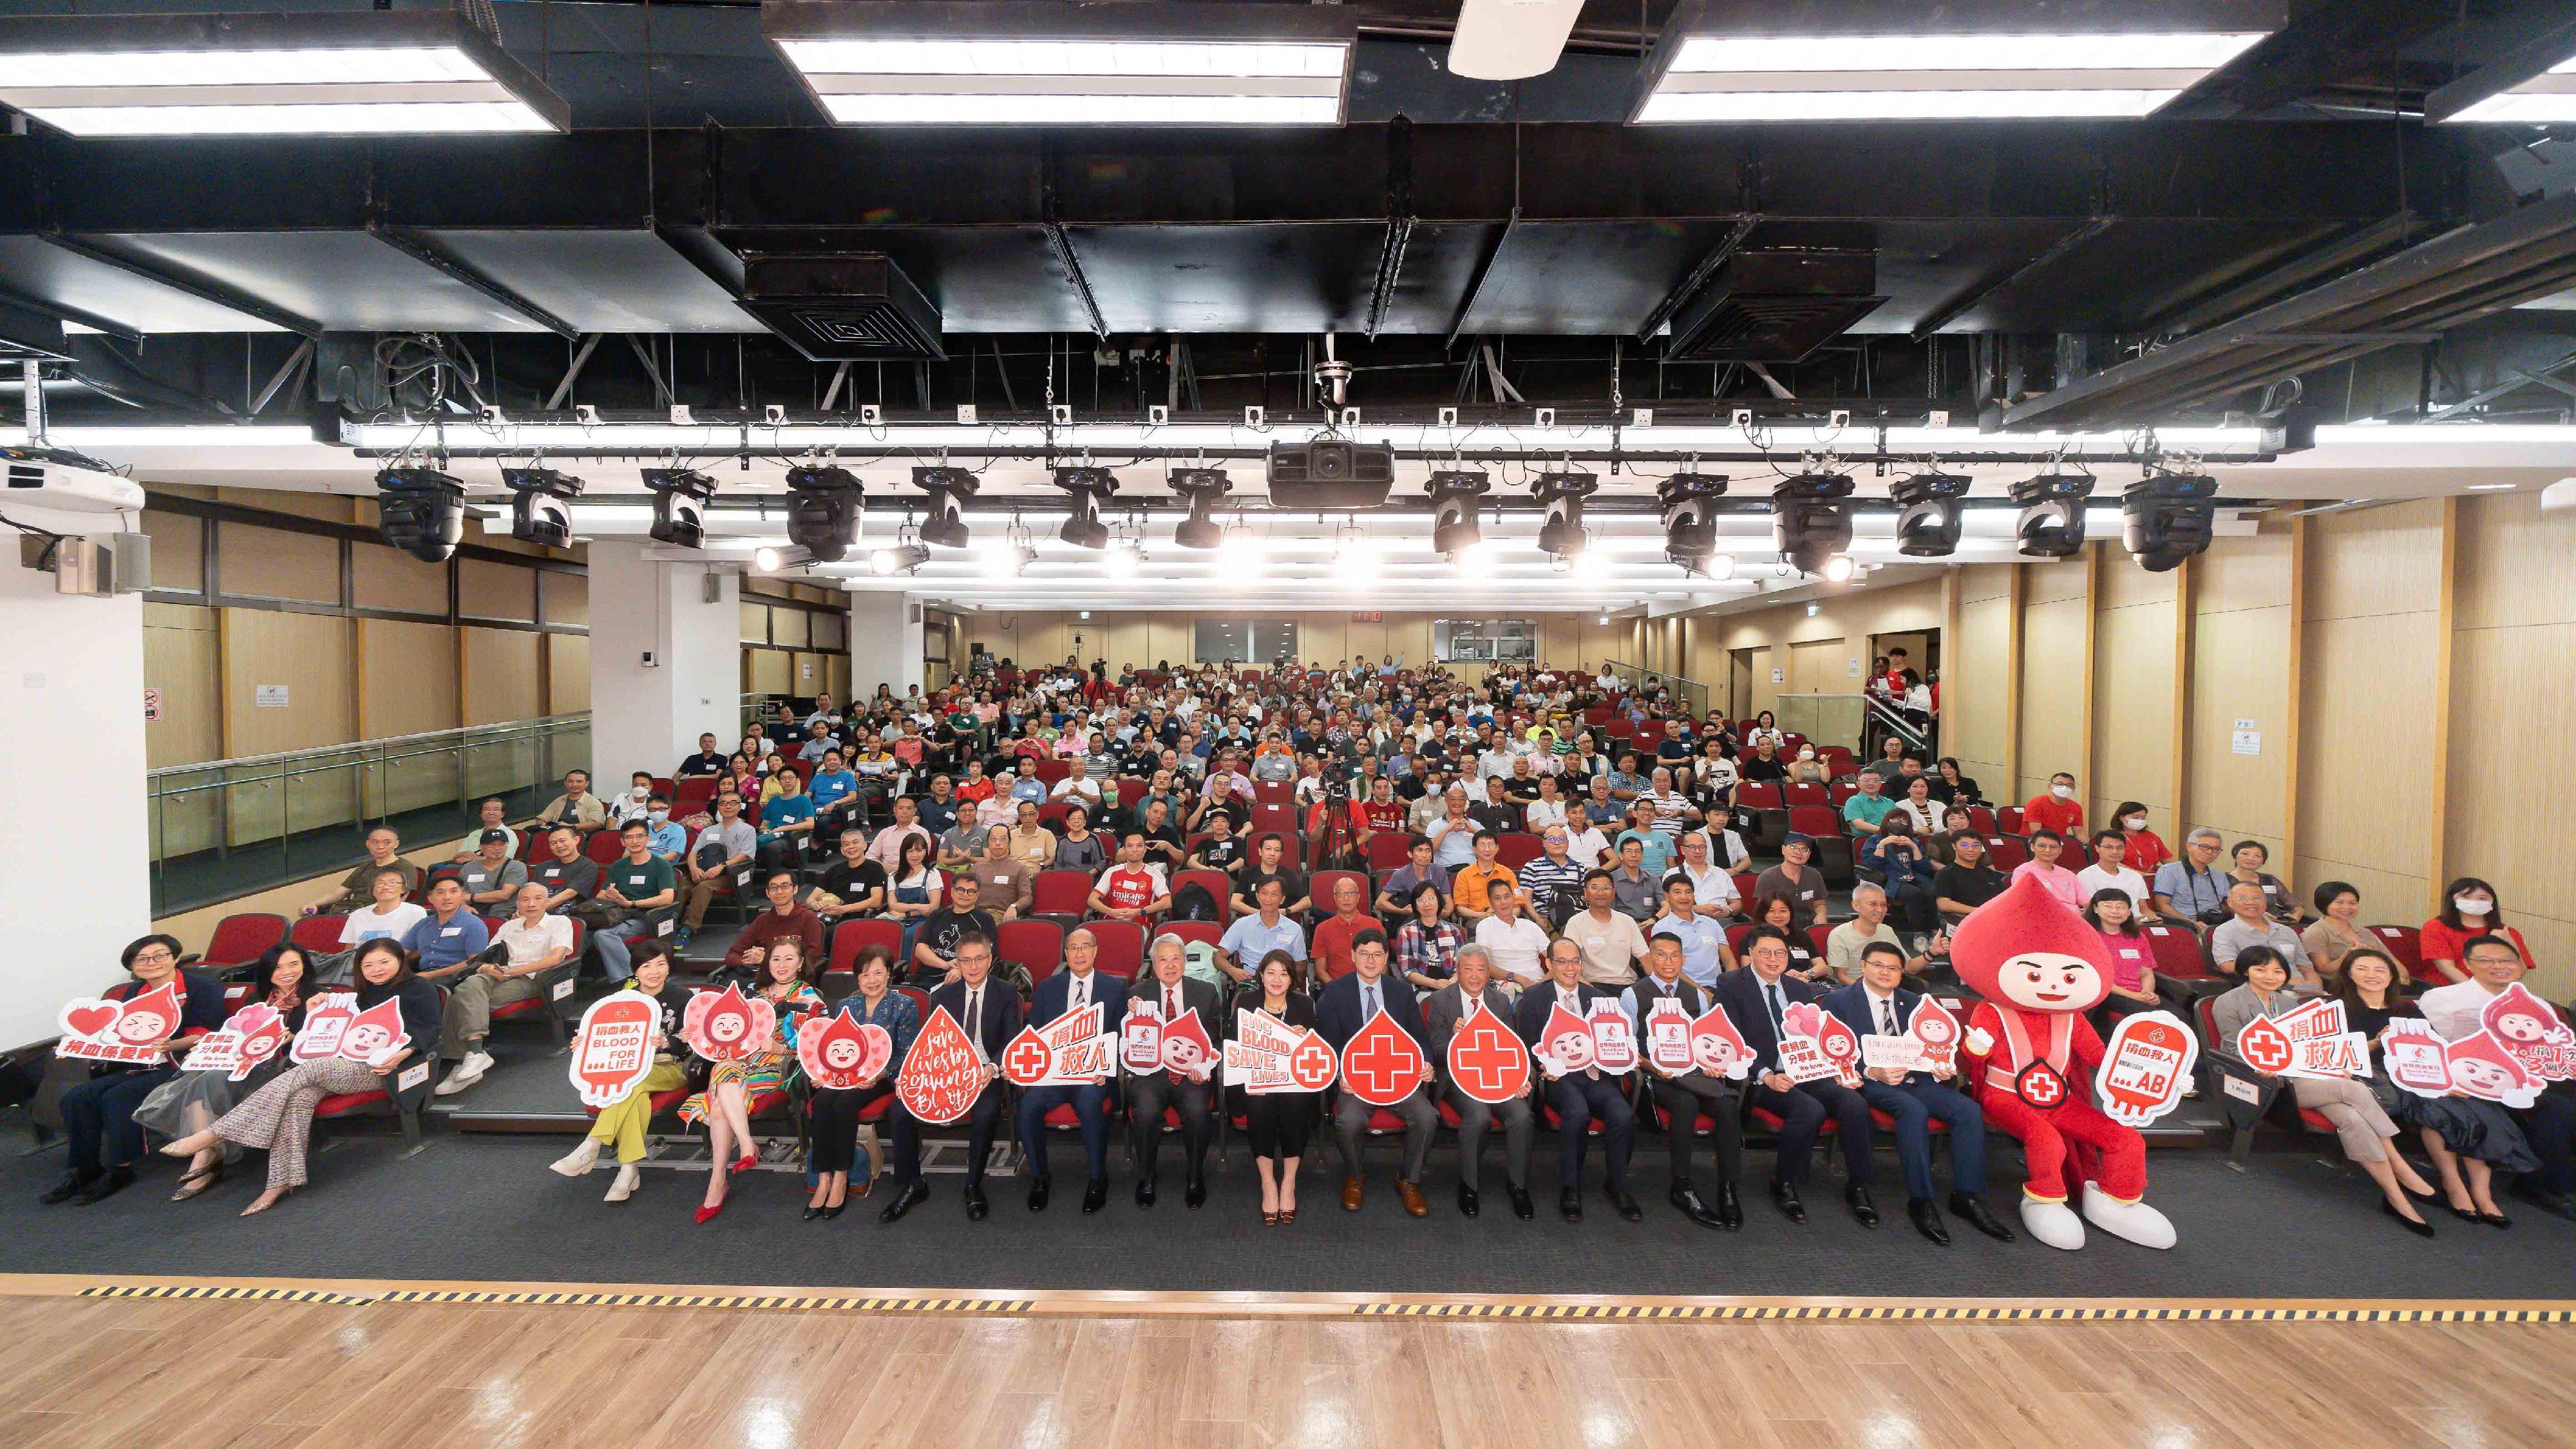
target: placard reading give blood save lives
612 1052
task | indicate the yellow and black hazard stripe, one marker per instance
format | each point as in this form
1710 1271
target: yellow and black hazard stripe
236 1293
1958 1313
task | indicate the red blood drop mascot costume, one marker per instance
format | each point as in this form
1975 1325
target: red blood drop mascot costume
2030 1057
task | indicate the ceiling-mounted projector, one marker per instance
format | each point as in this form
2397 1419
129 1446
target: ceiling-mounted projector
1330 474
64 492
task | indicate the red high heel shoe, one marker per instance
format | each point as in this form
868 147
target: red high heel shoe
745 1163
708 1214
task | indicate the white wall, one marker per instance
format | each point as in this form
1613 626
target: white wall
75 890
648 719
885 643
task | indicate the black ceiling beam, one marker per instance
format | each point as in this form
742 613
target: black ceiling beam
430 254
1697 277
2325 45
1967 301
204 289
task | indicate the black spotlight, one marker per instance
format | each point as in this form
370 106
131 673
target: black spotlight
1928 525
2166 519
948 489
1084 488
2052 514
1453 510
1811 520
679 505
824 505
1689 501
421 511
1562 494
538 505
1199 489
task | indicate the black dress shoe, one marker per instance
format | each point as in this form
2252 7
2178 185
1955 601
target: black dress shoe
1625 1205
1144 1192
1691 1207
1038 1189
1467 1204
833 1211
1927 1219
912 1195
976 1206
1194 1193
1863 1210
1973 1208
1522 1207
812 1211
2416 1226
1786 1196
67 1189
1730 1208
1095 1195
1570 1203
116 1180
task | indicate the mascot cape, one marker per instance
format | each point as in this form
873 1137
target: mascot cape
2029 1054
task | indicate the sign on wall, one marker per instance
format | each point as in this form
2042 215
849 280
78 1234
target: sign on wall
269 696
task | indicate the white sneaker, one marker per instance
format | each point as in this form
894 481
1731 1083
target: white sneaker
2134 1221
628 1179
577 1163
2053 1223
467 1073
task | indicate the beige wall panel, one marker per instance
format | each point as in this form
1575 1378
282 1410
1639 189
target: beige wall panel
2125 585
178 551
310 655
329 508
2510 689
1766 695
790 626
771 671
1974 723
2363 804
2514 563
1816 667
565 598
406 677
486 590
2133 724
2050 583
568 673
755 622
269 563
832 630
386 578
501 674
179 660
810 675
2052 688
2374 561
839 667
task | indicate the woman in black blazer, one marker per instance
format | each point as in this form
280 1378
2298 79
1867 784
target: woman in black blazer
1277 1122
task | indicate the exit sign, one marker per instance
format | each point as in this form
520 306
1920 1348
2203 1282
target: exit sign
1371 616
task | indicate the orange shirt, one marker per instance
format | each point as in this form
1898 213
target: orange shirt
2066 817
1473 885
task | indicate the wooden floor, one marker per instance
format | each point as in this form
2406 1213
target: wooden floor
113 1371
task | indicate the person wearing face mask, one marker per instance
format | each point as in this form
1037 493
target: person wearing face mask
1806 769
2469 909
2141 849
2057 810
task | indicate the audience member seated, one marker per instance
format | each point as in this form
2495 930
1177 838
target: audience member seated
1864 810
935 941
787 916
1427 943
638 884
1073 989
1276 1123
2249 924
1635 891
1078 846
622 1123
2469 908
636 803
2046 846
2332 935
570 877
707 761
786 820
988 1011
887 848
189 1102
1907 873
1263 930
852 885
2057 810
1186 1087
1347 1004
1788 918
1131 889
2549 1123
2361 1125
1609 939
445 940
576 806
100 1131
278 1118
1879 1005
1756 999
1008 887
2192 891
1868 925
1705 955
724 1104
1581 1095
1796 880
1269 861
387 915
531 942
358 888
2248 857
2134 986
492 815
1950 787
2111 870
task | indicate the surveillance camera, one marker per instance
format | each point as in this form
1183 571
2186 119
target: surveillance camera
1543 418
586 415
1061 415
774 415
1157 415
966 414
1838 418
1744 418
871 414
1448 417
1254 417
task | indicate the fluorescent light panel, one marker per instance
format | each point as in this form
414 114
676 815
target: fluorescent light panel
2545 98
1933 77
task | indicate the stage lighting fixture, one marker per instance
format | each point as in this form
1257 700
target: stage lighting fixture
1811 519
538 511
903 558
824 506
2166 519
1199 489
1084 488
1453 511
2052 514
948 489
1562 495
679 505
1689 502
421 511
1122 559
1839 569
770 559
1928 526
1717 566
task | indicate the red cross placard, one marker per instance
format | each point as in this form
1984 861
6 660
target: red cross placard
1382 1064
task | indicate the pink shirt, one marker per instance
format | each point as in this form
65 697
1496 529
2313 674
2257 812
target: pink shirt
2059 880
2130 958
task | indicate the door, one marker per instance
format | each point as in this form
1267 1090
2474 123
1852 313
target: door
1739 684
1820 666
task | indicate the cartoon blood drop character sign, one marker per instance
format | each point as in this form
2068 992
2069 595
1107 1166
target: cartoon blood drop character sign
375 1033
1186 1051
724 1026
2482 1067
2040 968
1566 1041
148 1018
836 1053
1717 1048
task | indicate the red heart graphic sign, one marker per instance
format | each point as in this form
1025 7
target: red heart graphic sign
943 1074
91 1018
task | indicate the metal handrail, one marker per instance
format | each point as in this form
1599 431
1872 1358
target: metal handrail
1696 693
323 756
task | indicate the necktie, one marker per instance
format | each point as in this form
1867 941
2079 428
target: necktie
1368 1002
1171 1010
1887 1016
1081 993
1771 996
975 1015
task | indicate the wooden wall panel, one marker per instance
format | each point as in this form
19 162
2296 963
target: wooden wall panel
501 674
1976 726
178 551
568 673
755 622
789 626
406 678
2053 684
772 672
307 653
328 507
832 630
387 578
2371 591
268 563
2385 560
1766 692
807 671
2133 717
1817 666
565 599
179 659
486 590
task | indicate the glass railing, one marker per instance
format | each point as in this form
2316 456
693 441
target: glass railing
231 828
1691 693
1856 721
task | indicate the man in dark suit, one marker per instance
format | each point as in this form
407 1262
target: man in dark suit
989 1010
1441 1014
1345 1006
1684 1096
1191 1090
1878 1005
1583 1094
1067 991
1755 999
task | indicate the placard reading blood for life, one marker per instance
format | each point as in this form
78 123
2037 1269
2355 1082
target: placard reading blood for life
613 1050
335 1027
1815 1044
129 1031
2145 1068
255 1033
